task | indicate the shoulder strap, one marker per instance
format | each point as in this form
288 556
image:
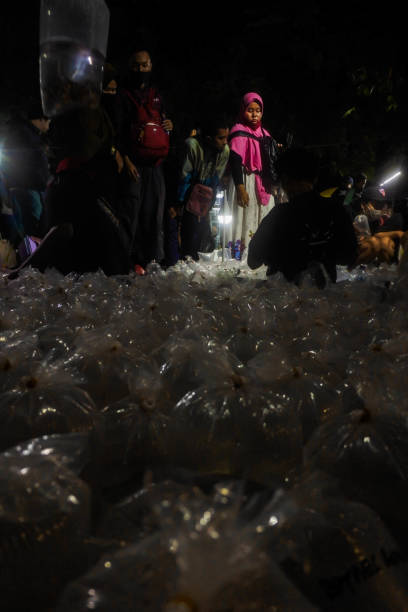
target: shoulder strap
142 103
242 133
132 98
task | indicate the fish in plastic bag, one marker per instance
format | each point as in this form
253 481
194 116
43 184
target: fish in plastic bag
336 551
45 401
44 523
201 559
234 428
367 451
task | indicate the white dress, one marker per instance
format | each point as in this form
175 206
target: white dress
245 221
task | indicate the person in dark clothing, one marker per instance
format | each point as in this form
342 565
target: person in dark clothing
379 211
353 198
306 235
11 226
401 207
79 200
25 165
109 104
204 163
143 137
109 91
343 190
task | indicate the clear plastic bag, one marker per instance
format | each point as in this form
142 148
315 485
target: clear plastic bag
200 559
44 404
336 551
367 451
187 361
104 366
234 429
45 520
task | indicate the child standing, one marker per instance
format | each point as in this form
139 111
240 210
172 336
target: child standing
249 194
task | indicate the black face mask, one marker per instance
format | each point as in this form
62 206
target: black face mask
108 102
140 79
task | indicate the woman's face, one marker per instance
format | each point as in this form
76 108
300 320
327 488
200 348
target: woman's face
253 114
111 88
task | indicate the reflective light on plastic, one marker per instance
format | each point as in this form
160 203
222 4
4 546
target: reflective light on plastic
46 451
173 545
273 520
219 196
93 599
73 499
107 564
47 410
205 518
367 439
225 219
391 178
90 60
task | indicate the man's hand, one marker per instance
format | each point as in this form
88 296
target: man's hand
119 161
131 169
242 196
167 125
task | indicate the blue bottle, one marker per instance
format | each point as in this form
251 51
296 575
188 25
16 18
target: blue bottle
237 250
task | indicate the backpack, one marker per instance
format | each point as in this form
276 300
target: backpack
150 143
269 153
316 240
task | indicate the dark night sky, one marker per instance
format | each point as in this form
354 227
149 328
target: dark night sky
311 61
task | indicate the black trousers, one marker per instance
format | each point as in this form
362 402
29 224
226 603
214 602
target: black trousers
141 208
193 230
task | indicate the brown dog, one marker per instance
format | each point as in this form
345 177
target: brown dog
380 247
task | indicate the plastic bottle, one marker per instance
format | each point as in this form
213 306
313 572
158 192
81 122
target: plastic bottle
362 226
73 43
237 250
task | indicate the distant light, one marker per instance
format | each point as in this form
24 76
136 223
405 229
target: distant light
225 219
220 195
90 60
391 178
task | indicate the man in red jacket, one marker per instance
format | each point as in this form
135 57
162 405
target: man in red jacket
143 134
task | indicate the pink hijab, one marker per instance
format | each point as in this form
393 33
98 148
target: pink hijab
248 148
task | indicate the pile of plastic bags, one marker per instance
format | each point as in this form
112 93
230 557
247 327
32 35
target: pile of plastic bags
203 439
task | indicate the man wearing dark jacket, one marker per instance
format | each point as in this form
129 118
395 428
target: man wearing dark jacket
307 234
143 130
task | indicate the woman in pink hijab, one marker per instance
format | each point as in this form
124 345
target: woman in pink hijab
249 198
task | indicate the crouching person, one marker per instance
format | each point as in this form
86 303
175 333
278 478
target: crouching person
308 235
